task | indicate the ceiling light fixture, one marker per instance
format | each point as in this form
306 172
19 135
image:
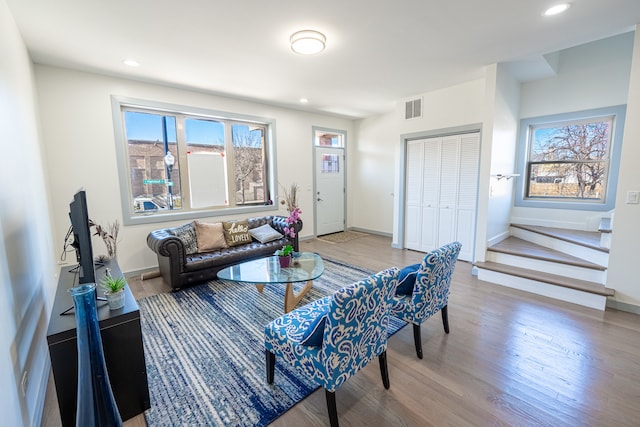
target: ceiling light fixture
557 9
304 100
307 42
131 63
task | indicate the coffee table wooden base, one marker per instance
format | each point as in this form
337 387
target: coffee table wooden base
291 299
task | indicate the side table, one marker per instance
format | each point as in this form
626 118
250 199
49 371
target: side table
122 345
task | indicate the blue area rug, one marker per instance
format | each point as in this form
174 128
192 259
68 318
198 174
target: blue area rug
204 349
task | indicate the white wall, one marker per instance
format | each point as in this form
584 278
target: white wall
499 136
590 76
27 273
78 133
379 142
625 241
372 174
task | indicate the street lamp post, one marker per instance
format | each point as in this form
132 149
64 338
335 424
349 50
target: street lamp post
169 161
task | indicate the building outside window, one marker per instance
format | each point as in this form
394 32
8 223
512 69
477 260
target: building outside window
186 163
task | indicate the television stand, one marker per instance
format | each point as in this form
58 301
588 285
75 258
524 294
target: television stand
122 345
74 270
68 310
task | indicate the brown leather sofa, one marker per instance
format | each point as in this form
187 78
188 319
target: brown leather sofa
180 270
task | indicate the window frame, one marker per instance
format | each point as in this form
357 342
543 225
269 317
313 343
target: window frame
618 113
131 218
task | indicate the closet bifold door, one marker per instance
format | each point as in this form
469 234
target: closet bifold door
441 192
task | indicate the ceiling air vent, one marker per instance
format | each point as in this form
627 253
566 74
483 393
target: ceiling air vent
413 109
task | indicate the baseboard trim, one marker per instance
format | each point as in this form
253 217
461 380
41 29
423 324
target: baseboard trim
548 223
623 306
365 230
42 393
497 239
139 272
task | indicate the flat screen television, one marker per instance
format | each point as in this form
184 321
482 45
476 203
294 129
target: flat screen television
79 216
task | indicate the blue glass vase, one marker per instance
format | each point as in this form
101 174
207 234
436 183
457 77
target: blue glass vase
96 405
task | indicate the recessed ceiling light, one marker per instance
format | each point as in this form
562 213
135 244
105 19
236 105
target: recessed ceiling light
307 42
131 63
557 9
303 100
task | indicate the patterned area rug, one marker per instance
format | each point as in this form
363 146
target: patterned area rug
341 237
204 349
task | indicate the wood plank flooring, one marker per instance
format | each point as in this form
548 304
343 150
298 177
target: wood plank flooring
511 359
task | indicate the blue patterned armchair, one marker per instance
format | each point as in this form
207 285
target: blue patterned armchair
430 292
332 338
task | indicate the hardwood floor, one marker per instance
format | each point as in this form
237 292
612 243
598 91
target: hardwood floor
511 358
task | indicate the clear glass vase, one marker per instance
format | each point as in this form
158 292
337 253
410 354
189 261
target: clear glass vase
96 405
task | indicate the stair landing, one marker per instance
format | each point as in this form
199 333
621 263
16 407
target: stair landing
589 239
519 247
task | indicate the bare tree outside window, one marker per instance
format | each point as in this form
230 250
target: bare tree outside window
569 160
249 163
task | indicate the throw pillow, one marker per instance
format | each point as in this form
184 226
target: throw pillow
406 279
210 236
265 233
187 234
315 333
237 232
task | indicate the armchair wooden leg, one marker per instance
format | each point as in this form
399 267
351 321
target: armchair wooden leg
445 318
271 365
384 371
417 338
331 407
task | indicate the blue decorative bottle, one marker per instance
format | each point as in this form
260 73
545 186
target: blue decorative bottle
96 405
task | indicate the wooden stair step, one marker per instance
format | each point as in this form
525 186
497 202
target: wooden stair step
588 239
519 247
553 279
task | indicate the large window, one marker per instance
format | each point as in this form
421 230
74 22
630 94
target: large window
183 162
570 161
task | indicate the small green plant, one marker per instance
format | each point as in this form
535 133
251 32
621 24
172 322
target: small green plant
286 250
111 284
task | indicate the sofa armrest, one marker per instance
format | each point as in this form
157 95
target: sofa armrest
164 243
280 222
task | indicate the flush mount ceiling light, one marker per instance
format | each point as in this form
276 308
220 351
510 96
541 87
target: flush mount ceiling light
557 9
131 63
307 42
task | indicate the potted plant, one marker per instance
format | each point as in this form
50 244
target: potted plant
113 290
284 255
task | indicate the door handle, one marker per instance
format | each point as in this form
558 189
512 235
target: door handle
319 199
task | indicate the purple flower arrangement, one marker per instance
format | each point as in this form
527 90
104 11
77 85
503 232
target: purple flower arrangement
293 218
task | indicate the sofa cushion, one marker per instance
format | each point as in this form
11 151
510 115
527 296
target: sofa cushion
187 234
236 232
210 236
265 233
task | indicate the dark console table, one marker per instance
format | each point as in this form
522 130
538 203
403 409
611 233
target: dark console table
121 341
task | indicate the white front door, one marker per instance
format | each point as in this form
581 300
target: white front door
330 191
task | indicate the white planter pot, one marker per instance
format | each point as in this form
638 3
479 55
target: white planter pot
115 300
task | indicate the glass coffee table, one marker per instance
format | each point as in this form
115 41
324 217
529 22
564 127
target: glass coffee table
305 267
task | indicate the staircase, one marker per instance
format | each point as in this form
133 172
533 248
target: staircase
569 265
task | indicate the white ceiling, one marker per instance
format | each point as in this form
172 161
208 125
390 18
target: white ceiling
378 51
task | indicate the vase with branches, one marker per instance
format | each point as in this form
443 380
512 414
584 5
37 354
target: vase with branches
109 236
290 202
